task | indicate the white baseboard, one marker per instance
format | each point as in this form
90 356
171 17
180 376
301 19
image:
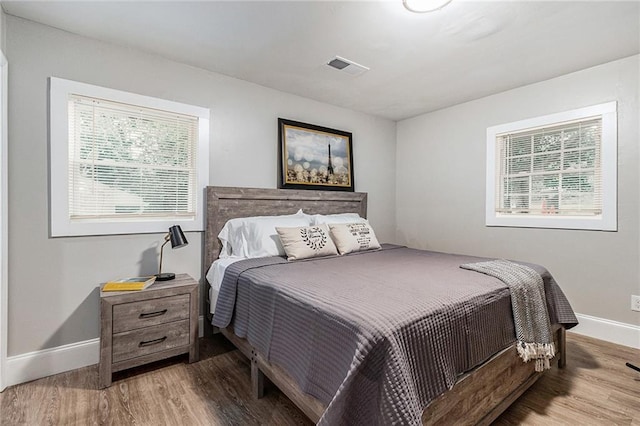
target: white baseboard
608 330
36 365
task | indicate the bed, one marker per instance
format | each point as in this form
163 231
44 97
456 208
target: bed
485 385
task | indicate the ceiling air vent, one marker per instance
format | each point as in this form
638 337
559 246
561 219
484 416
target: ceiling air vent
347 66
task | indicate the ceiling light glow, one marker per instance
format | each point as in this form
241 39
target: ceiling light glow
422 6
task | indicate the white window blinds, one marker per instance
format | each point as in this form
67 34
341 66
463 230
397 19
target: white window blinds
130 162
551 170
554 171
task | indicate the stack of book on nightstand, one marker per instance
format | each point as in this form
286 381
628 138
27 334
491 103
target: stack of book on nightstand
129 284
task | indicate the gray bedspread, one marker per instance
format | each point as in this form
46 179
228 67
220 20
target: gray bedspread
376 335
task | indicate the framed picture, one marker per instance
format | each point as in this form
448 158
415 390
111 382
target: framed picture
314 157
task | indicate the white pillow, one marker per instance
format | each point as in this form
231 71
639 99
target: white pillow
307 241
227 235
328 219
256 236
350 237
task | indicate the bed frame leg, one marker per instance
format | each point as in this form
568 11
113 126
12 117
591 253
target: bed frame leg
562 347
257 380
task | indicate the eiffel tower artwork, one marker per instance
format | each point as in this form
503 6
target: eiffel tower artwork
329 166
313 157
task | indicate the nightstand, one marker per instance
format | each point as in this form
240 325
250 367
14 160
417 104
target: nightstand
138 327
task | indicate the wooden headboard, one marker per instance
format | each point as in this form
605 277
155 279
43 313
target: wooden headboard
224 203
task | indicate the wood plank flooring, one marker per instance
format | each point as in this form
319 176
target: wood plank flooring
596 388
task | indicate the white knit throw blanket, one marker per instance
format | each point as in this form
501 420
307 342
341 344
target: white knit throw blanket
528 302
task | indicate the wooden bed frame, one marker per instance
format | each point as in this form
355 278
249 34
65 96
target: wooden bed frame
478 397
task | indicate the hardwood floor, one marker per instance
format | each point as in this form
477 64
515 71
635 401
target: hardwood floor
595 388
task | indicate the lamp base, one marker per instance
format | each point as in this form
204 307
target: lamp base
165 276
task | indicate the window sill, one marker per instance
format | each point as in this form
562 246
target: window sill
596 223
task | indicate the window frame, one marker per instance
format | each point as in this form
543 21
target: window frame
607 221
60 223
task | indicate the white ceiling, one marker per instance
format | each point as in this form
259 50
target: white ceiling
419 62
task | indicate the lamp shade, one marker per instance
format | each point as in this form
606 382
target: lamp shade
177 237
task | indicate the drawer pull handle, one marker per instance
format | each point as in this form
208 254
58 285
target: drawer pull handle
152 342
152 314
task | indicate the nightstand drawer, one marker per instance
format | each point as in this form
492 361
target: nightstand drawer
134 315
132 344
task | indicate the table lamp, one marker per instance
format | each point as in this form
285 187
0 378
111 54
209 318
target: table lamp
177 238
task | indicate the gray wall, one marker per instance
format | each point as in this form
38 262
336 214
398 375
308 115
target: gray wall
53 297
3 27
440 205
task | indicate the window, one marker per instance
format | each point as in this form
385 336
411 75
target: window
125 163
556 171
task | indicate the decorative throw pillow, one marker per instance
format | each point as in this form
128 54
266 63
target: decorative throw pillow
350 237
306 241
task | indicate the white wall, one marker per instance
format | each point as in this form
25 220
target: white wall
53 296
440 198
3 210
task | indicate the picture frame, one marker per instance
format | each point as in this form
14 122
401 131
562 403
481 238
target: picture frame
314 157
